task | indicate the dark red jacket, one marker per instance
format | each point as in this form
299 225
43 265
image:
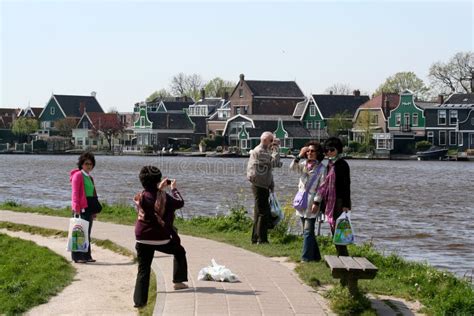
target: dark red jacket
149 228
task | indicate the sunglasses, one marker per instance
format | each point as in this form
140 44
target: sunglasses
311 151
327 149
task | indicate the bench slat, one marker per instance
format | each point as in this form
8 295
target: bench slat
365 264
334 262
351 264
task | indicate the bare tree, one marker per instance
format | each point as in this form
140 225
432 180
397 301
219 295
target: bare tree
339 88
187 85
455 75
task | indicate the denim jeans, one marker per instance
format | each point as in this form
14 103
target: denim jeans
310 244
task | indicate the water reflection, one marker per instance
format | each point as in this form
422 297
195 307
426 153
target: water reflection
423 210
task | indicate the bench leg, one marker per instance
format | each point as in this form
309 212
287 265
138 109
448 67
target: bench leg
352 285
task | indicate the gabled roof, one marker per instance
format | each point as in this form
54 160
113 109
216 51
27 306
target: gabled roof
9 112
460 98
6 122
378 102
170 120
36 111
99 120
272 89
71 104
330 104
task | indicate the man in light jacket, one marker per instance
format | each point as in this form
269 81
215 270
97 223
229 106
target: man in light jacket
263 159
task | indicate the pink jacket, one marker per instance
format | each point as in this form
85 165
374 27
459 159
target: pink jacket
78 196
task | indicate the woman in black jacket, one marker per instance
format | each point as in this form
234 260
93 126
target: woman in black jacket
336 189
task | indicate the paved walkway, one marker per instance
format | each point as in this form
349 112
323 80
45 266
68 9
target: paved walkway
266 288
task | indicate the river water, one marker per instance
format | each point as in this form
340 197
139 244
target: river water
423 211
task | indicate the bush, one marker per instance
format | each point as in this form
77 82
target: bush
423 145
366 148
354 146
147 149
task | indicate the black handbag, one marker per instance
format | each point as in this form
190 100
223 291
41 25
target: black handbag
93 205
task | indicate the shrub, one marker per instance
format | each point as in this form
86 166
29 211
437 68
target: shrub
147 149
422 145
354 146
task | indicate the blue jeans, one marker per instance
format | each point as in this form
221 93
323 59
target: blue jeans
310 245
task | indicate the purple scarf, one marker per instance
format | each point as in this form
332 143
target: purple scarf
327 191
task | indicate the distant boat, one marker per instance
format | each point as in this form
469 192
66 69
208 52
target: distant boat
433 153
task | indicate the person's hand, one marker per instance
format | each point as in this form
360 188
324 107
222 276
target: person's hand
276 142
303 151
173 184
163 184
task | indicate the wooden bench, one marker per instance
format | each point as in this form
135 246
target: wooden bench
350 269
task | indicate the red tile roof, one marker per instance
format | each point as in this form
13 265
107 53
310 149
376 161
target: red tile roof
378 101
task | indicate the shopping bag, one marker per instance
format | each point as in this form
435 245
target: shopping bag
78 237
343 233
217 272
275 210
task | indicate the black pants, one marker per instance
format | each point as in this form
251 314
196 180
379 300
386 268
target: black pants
84 255
145 255
261 215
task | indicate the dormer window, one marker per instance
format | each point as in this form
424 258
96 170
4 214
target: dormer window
312 110
52 111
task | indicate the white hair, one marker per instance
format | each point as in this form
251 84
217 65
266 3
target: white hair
266 135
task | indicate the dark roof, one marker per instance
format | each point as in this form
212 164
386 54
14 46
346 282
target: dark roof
6 122
177 105
211 101
71 104
172 99
9 112
330 104
262 88
170 120
200 124
274 106
460 98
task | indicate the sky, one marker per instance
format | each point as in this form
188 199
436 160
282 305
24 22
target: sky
125 50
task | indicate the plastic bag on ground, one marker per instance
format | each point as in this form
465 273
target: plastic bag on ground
216 272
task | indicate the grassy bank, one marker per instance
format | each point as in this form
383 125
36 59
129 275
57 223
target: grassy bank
440 292
29 275
107 244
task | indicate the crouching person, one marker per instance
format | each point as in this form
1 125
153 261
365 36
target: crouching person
154 231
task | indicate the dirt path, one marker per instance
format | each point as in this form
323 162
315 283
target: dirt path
101 288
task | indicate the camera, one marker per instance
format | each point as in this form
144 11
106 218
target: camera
168 181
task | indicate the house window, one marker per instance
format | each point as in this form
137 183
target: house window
243 143
442 137
374 119
398 119
237 110
460 139
442 117
415 119
430 137
142 121
312 110
453 117
85 125
288 142
309 124
452 138
52 111
407 120
317 125
241 93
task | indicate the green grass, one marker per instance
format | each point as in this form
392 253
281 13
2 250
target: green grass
29 275
442 293
107 244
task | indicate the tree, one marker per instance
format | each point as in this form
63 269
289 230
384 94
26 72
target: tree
23 126
339 88
187 85
402 81
65 126
107 125
453 76
218 86
364 123
339 124
162 93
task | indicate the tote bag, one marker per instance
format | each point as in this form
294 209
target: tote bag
343 233
78 236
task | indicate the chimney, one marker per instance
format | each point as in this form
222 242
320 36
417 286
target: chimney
242 78
203 94
93 94
357 93
82 107
185 98
331 92
441 98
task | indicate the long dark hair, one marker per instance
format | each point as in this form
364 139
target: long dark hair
150 176
84 157
318 148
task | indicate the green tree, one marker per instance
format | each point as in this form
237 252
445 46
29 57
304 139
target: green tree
24 126
65 126
218 86
453 76
162 93
402 81
364 123
339 124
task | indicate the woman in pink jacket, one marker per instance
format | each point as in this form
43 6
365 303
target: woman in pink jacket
83 194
